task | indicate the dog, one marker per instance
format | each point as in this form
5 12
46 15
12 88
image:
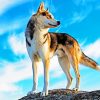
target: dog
43 45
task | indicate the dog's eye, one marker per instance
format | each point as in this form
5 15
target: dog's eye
44 14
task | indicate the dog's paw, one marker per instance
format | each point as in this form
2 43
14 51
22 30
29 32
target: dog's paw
75 89
31 92
44 93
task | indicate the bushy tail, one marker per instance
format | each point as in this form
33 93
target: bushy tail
89 62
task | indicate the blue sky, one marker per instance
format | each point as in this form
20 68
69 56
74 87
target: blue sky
79 18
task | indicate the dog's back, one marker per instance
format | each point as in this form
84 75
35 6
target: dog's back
62 44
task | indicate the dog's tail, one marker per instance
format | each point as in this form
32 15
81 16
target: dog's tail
89 62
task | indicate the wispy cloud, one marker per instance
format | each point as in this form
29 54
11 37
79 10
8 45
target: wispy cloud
59 85
13 25
10 71
22 69
92 49
11 96
6 4
81 11
78 16
17 43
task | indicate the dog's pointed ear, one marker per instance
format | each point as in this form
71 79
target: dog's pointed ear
41 8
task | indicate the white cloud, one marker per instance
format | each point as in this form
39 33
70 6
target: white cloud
8 87
13 73
6 4
11 95
59 85
17 43
57 73
92 49
78 17
17 23
13 25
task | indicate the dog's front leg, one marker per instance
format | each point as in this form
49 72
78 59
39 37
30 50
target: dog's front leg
46 63
35 62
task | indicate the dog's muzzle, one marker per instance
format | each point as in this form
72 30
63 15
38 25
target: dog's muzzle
58 22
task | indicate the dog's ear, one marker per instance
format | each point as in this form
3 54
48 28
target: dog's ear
41 8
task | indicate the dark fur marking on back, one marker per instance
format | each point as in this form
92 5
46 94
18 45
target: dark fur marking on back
28 42
53 43
70 42
61 39
30 25
65 39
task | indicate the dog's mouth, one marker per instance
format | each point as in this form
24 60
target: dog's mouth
58 23
52 25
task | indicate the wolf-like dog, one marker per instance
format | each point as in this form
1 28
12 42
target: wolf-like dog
43 45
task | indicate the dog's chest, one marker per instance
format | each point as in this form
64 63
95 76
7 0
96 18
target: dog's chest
36 44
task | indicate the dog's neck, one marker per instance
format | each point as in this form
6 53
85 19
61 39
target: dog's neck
34 30
39 34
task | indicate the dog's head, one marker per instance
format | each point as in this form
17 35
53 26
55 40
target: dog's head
44 18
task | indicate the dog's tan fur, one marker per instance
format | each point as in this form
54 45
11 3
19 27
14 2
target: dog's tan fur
42 44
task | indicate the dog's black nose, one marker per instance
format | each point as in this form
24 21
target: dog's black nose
58 22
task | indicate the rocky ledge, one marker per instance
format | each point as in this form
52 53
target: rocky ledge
62 94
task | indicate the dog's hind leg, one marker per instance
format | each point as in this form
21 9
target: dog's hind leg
65 65
75 64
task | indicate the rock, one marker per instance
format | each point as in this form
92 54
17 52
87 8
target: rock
63 94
